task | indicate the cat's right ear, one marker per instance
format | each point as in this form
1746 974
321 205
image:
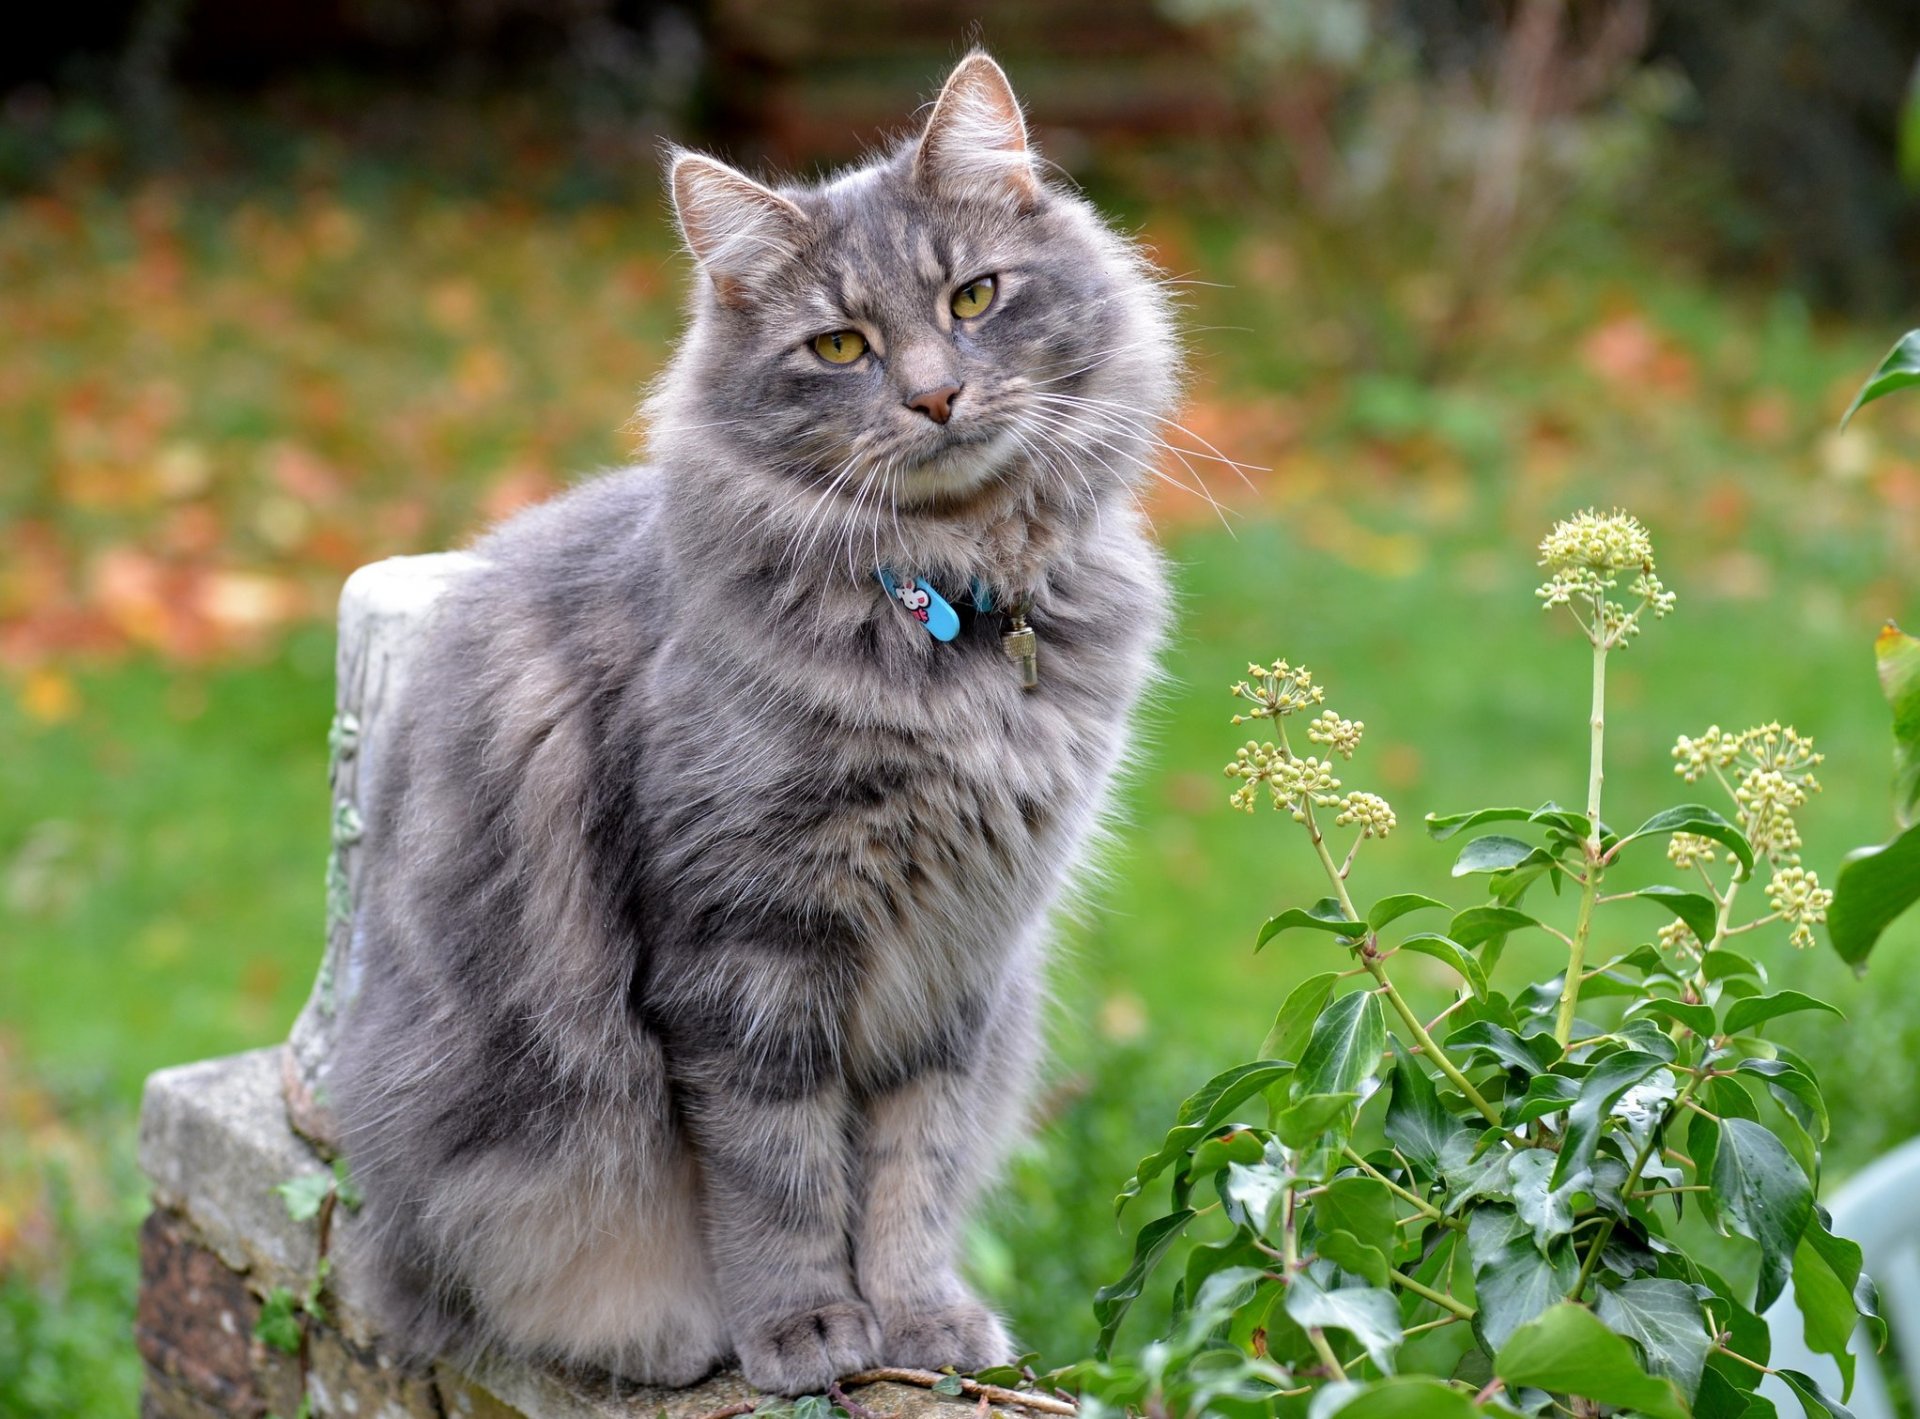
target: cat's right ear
736 229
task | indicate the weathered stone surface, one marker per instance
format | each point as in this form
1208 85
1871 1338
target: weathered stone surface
383 612
215 1140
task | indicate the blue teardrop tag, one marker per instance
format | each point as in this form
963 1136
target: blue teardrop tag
924 604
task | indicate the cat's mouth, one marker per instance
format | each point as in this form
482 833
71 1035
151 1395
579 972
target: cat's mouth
960 466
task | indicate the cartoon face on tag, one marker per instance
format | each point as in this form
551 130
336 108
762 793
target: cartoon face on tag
915 600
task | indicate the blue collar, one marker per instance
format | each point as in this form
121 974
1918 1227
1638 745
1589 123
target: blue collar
929 607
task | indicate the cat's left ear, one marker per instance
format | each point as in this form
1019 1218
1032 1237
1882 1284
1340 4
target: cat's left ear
976 140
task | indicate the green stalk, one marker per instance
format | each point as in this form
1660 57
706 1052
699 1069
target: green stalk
1590 888
1290 1255
1601 1237
1427 1293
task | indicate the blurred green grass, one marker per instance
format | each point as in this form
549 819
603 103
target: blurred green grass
162 789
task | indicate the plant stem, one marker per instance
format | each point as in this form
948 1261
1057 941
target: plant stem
1596 869
1427 1293
1290 1242
1605 1233
1426 1042
1427 1208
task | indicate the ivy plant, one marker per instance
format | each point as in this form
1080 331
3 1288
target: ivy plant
1570 1196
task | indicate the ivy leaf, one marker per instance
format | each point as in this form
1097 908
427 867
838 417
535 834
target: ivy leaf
345 1188
1418 1124
1899 370
1349 1253
1441 826
1361 1205
1546 1094
948 1385
1698 1018
1764 1196
1252 1189
1312 1115
1294 1021
1599 1092
1757 1009
1517 1285
1111 1303
1405 1397
1875 885
1478 925
1391 909
279 1323
1826 1271
1665 1318
305 1194
1569 1351
1483 1036
1702 822
1700 913
1324 915
1794 1090
1429 943
1492 854
1344 1047
1202 1114
1367 1313
1543 1204
1815 1402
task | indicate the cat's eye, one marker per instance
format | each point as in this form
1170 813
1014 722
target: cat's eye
842 347
974 297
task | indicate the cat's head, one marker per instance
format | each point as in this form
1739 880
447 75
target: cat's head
938 321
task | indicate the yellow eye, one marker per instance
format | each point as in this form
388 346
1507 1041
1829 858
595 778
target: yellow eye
842 347
974 297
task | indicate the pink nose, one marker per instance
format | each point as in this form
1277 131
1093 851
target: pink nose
936 404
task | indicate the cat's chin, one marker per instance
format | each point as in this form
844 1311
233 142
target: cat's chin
957 471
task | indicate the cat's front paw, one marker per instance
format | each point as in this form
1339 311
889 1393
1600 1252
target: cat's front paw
963 1334
806 1351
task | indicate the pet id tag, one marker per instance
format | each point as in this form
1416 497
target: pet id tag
924 604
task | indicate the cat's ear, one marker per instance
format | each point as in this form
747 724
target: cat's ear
976 140
735 228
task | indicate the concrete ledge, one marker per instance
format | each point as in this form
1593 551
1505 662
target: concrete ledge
215 1142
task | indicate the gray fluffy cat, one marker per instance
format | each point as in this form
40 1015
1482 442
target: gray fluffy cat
708 892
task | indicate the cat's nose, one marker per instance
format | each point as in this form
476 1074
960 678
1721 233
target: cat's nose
936 404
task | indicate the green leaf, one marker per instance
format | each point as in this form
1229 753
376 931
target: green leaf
1815 1403
1360 1205
948 1385
1440 826
1599 1092
1546 1094
1391 909
304 1195
1349 1253
344 1187
1876 884
1483 1036
1698 1018
1764 1196
1665 1318
1418 1124
1252 1190
1518 1285
279 1324
1478 925
1344 1047
1324 915
1202 1114
1826 1270
1899 370
1294 1022
1428 943
1311 1116
1492 854
1794 1090
1702 822
1111 1303
1700 913
1367 1313
1544 1204
1569 1351
1757 1009
1409 1397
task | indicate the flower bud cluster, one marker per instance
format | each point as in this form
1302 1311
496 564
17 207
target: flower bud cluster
1686 849
1292 783
1772 767
1277 690
1585 557
1340 735
1678 941
1796 894
1372 812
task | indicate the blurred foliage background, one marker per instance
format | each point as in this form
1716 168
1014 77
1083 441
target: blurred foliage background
284 289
